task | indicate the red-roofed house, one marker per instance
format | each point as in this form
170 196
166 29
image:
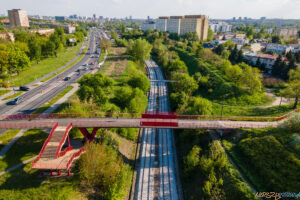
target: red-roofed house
266 59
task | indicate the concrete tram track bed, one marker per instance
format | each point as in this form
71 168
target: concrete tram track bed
156 173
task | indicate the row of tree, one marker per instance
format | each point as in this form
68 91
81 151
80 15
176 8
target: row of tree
15 57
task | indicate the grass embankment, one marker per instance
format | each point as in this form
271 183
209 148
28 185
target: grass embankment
7 137
269 158
45 66
237 102
102 56
2 92
70 65
53 101
13 96
116 62
205 170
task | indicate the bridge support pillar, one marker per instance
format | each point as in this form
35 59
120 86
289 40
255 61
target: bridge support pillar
88 136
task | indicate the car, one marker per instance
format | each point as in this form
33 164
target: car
16 101
78 70
91 68
84 64
91 56
92 63
24 88
67 78
85 69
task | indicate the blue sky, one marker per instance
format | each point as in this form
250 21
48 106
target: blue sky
155 8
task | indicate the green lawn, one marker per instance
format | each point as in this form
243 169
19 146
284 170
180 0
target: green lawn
268 157
7 137
13 96
53 101
25 183
70 65
45 66
28 146
2 92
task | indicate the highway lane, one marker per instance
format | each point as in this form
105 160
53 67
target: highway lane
40 95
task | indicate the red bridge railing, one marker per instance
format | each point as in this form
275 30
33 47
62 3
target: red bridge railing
45 144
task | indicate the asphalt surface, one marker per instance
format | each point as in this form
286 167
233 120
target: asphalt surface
38 96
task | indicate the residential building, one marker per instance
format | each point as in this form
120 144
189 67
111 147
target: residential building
18 18
180 25
70 29
240 41
43 31
287 32
222 27
256 47
60 18
7 36
195 23
278 48
148 24
161 23
173 24
266 59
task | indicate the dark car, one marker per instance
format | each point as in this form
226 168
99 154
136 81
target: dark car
24 88
67 78
17 100
78 70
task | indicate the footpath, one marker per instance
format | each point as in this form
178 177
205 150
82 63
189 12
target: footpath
48 111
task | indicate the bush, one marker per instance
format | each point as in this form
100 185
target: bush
102 169
292 123
199 106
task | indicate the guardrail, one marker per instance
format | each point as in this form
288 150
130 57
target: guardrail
76 154
45 144
160 115
62 141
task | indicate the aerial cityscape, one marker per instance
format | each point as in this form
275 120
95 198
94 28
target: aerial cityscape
157 100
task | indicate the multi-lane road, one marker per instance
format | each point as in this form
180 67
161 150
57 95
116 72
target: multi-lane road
38 96
156 176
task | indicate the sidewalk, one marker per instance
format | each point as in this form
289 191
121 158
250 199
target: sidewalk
48 111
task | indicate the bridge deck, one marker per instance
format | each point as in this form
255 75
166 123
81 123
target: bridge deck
134 123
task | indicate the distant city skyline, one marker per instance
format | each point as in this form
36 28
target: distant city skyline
286 9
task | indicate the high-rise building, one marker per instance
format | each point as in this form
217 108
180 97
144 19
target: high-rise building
18 17
161 23
60 18
184 24
195 23
94 17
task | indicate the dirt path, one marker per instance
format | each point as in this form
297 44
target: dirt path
276 102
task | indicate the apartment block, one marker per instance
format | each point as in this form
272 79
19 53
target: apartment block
161 23
173 24
18 17
195 23
180 25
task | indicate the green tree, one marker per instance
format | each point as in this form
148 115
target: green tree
105 44
139 50
251 79
4 60
18 60
276 39
183 83
199 106
139 81
35 49
294 85
210 34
